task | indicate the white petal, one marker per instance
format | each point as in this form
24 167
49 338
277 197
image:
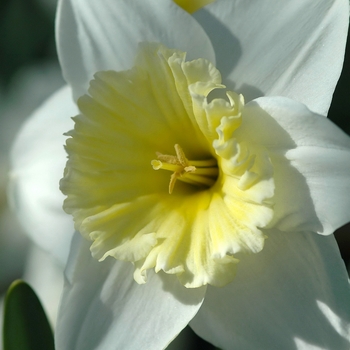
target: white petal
101 35
293 295
104 308
311 159
38 160
285 48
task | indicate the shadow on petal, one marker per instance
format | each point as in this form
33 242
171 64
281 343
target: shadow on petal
188 296
295 289
293 204
226 46
102 306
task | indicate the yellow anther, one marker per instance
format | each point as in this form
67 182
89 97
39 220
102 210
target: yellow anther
192 5
201 173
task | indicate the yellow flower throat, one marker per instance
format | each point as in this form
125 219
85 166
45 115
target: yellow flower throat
201 173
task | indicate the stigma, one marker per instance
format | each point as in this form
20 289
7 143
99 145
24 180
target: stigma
200 173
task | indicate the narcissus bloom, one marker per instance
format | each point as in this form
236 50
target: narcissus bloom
190 223
201 197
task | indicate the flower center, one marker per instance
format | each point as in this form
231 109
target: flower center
201 173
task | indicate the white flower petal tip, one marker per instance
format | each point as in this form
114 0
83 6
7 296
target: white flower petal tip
104 291
104 27
311 159
232 169
292 295
291 48
37 160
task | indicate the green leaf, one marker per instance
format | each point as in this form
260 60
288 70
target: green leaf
25 324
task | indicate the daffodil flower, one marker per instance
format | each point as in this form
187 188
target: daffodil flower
202 199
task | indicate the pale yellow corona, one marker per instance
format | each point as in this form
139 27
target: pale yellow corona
160 175
192 6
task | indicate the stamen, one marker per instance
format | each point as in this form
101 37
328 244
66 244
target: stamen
200 173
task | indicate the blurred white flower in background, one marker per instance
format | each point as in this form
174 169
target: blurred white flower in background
18 255
30 73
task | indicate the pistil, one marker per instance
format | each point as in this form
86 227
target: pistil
200 173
